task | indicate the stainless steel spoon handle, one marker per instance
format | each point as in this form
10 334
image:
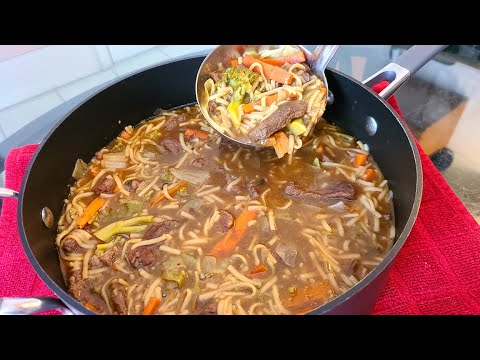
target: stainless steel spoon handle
7 193
30 306
321 56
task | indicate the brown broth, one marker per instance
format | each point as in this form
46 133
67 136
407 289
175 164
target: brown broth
330 249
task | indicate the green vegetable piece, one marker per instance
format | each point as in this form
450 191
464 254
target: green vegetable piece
153 135
175 274
316 162
183 191
123 227
297 127
167 177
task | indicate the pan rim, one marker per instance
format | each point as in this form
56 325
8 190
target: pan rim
78 308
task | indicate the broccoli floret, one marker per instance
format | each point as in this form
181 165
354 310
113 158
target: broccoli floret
241 81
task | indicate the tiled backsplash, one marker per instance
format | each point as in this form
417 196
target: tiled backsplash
35 80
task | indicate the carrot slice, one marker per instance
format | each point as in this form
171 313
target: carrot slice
272 72
295 58
370 175
234 63
90 306
281 147
172 191
199 134
225 246
360 159
308 293
94 171
257 270
125 135
152 305
90 211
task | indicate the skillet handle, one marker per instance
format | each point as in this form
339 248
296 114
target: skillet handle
30 306
7 193
407 64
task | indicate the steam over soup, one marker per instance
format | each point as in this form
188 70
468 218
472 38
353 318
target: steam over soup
170 218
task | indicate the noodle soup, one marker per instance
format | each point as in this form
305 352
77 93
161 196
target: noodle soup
171 218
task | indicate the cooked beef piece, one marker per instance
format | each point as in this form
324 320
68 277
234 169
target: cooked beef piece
341 190
141 256
132 185
210 309
173 121
108 256
199 163
157 230
104 186
119 299
224 222
253 187
212 106
77 286
172 144
280 118
216 75
95 262
305 77
70 245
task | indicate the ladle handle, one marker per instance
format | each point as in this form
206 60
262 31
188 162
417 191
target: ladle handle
321 57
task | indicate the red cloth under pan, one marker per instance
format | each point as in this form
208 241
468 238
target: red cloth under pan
436 272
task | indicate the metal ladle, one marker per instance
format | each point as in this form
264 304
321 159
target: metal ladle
223 54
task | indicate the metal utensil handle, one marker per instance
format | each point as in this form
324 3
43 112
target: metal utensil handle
7 193
321 57
30 306
405 66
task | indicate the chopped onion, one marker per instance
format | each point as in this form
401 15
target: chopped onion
115 157
114 164
287 253
339 206
193 176
194 204
80 169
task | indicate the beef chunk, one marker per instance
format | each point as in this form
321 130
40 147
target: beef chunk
108 256
199 163
340 190
141 256
119 300
210 309
172 144
216 75
212 106
224 222
174 120
95 262
70 245
132 185
280 118
104 186
77 286
157 230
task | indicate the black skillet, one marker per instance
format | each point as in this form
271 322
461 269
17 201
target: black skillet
93 124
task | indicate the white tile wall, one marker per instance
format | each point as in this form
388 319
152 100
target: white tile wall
104 56
31 74
15 117
35 82
77 87
145 59
121 52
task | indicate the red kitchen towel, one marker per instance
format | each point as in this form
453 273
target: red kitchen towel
436 272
